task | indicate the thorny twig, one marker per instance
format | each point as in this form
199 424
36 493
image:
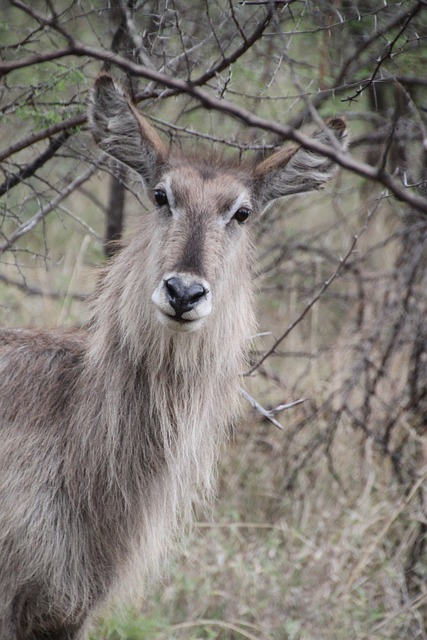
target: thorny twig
388 53
269 414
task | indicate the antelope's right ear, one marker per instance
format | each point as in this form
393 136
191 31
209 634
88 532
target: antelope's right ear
122 132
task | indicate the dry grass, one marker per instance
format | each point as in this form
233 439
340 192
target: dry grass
318 562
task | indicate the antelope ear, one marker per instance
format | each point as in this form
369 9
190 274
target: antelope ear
297 170
122 132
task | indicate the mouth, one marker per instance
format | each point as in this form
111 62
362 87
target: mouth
179 324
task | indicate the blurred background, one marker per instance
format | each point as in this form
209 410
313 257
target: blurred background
319 530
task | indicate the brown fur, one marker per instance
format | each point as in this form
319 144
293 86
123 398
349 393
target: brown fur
110 435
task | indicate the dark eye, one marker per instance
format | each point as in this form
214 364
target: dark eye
242 215
160 197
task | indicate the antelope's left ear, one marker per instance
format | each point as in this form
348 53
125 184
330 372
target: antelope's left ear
297 170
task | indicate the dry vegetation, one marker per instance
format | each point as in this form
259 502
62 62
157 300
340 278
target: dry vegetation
319 531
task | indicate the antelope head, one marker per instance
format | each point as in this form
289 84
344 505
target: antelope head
204 207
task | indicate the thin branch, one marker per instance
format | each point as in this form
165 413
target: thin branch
70 124
30 169
387 54
340 82
43 211
31 290
313 301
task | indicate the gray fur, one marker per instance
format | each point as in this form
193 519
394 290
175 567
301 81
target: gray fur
110 434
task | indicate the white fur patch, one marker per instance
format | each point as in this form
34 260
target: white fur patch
242 200
190 320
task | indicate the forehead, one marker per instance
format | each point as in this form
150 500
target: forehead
196 184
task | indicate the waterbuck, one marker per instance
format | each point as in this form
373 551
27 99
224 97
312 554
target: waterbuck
109 435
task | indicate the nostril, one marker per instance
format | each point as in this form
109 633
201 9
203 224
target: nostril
195 292
174 287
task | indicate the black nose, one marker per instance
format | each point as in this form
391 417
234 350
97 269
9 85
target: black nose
183 297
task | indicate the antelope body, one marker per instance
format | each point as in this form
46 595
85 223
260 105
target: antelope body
109 435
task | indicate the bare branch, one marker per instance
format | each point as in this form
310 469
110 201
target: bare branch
32 167
44 211
31 290
307 308
389 50
225 106
71 124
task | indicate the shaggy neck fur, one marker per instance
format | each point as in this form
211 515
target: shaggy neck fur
160 405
